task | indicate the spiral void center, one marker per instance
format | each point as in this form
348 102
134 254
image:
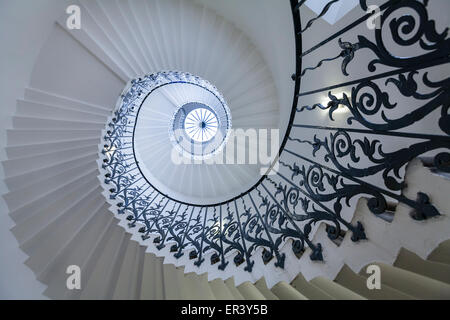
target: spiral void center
198 130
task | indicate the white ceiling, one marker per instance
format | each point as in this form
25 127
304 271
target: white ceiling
337 10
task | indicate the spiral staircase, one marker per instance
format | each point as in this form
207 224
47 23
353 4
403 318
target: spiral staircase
362 177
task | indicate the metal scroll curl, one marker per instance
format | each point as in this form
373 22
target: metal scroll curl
319 176
351 153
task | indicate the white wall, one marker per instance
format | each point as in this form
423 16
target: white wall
25 25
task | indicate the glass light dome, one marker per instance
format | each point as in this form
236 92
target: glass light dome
201 125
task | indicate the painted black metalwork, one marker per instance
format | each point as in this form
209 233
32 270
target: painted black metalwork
323 169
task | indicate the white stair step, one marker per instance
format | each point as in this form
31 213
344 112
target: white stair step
335 290
262 287
109 32
309 290
221 39
424 236
29 227
94 39
38 110
16 137
254 105
139 10
160 292
20 166
30 150
407 260
205 35
248 109
258 121
117 266
232 288
26 179
98 285
137 287
143 56
236 53
358 284
250 292
151 280
255 84
157 30
168 27
122 31
415 285
284 291
34 192
441 253
246 64
173 280
195 287
52 99
220 290
125 287
30 208
21 122
81 251
52 238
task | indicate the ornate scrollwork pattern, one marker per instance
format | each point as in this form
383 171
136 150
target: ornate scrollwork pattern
323 169
349 155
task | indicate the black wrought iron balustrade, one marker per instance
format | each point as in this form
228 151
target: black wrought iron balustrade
319 176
